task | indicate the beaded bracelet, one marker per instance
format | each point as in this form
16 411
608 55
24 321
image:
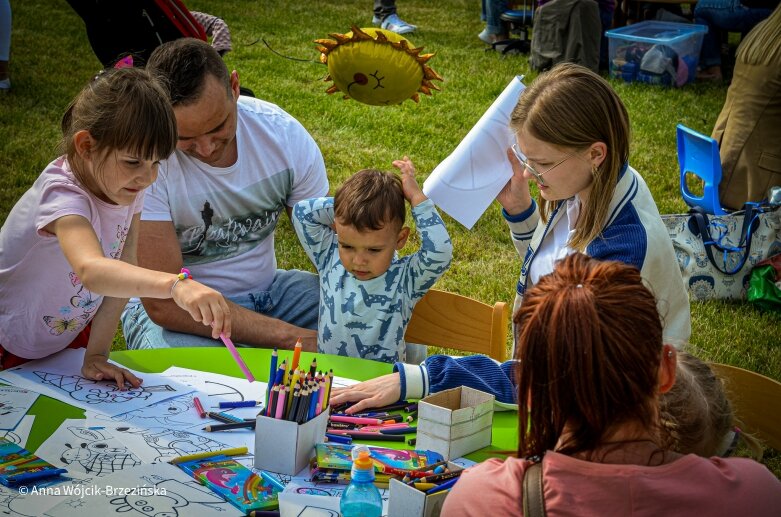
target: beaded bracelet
183 275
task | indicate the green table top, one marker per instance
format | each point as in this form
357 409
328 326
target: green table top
50 412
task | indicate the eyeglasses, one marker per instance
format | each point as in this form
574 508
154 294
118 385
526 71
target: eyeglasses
537 175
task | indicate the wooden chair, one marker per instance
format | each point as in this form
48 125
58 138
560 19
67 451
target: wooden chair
756 401
453 321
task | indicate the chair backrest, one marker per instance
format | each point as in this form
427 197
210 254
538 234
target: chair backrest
756 400
699 155
453 321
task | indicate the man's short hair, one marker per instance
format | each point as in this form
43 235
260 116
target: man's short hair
182 65
369 200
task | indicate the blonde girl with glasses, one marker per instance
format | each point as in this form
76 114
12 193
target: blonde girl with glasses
572 141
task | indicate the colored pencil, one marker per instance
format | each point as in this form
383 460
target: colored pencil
237 357
272 374
281 402
228 427
377 437
238 403
296 354
356 420
223 417
199 407
444 486
236 451
399 430
338 438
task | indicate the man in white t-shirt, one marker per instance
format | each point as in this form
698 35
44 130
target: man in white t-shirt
213 209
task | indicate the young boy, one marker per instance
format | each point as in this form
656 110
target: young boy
366 292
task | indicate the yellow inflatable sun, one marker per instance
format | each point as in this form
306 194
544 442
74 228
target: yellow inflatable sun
376 67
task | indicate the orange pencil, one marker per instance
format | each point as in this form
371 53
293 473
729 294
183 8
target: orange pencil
296 355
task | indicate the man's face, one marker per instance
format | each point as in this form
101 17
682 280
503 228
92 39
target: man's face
207 127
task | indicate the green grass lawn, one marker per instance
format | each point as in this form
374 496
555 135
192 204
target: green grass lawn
51 60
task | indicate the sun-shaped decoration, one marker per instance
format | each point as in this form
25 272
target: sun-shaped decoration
376 67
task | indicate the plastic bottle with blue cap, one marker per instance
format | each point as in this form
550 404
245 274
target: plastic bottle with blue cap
361 498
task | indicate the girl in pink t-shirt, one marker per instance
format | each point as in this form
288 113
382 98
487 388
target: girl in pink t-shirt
68 246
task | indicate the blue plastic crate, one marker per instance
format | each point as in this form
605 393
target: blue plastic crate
656 52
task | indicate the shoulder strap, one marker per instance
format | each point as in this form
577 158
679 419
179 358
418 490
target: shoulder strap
533 498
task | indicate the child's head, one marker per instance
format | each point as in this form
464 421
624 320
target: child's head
696 416
115 132
369 214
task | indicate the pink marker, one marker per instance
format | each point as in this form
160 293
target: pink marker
355 420
237 357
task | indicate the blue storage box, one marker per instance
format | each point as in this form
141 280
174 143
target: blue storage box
656 52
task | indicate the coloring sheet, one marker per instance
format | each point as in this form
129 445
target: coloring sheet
213 388
159 444
14 404
303 505
92 452
160 490
20 434
59 376
14 503
465 184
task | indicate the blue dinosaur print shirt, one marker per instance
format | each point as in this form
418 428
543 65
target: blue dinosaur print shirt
368 318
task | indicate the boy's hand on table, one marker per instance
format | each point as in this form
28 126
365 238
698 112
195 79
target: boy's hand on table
97 368
378 392
409 184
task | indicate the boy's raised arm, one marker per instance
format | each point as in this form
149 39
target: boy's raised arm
313 220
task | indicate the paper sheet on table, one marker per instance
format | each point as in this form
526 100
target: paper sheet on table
21 432
214 388
93 452
161 490
59 376
465 184
160 444
19 504
14 404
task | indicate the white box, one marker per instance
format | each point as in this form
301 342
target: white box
408 501
455 422
286 447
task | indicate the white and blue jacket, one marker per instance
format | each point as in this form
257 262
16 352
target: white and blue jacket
633 234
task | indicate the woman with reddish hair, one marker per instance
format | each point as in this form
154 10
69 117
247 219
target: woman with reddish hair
592 369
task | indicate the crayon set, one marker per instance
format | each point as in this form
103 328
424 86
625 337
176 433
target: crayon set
296 394
248 491
421 496
18 466
334 461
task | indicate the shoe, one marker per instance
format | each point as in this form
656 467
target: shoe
376 21
711 73
491 38
487 37
395 24
5 85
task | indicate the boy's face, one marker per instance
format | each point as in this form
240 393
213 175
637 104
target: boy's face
368 254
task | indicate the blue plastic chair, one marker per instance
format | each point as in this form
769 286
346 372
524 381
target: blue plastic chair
699 155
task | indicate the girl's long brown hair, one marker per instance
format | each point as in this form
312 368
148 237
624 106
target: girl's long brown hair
571 107
590 342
